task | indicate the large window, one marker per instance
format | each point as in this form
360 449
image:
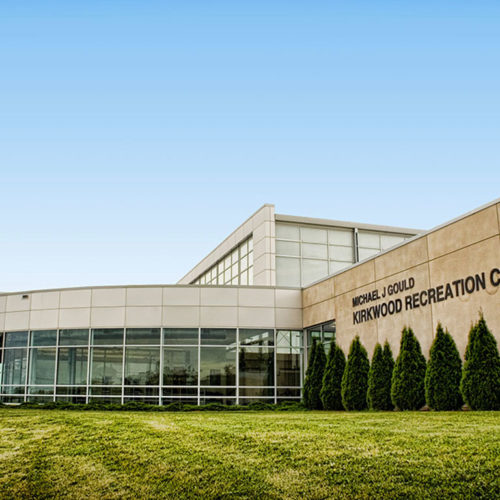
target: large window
152 365
307 253
72 366
235 268
107 363
218 366
42 366
180 366
142 366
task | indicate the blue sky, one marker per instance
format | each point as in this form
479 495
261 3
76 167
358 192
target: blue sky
134 136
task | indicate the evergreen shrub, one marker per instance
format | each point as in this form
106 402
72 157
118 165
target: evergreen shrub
330 394
355 378
480 384
379 378
444 370
407 385
314 377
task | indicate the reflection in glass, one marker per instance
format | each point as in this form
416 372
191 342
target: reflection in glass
288 362
16 339
256 366
44 337
107 365
180 366
218 336
73 337
143 336
256 337
142 366
42 366
14 370
180 336
217 366
72 366
107 336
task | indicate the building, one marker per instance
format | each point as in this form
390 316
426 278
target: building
236 328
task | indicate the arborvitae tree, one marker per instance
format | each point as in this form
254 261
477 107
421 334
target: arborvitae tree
314 377
306 391
330 392
444 370
379 379
407 385
355 378
480 385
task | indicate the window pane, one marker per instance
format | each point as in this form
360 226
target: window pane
180 366
364 253
287 248
218 336
256 392
215 391
334 266
287 271
313 270
288 363
256 337
178 336
313 235
143 336
16 339
341 253
368 240
43 337
180 391
340 237
314 251
142 366
256 366
107 365
42 366
41 389
287 232
389 240
217 366
72 366
73 337
289 338
14 368
105 336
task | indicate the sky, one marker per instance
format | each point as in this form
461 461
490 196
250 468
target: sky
136 135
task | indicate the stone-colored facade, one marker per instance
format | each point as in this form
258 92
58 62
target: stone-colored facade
466 247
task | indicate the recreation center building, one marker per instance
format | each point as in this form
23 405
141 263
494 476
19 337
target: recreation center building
237 327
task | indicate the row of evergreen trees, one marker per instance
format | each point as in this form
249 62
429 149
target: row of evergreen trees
410 382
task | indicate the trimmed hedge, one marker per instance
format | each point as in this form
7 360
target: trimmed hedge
407 385
314 377
172 407
355 378
443 374
480 384
379 379
330 394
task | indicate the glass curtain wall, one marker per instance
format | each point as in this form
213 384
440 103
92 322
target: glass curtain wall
235 268
153 365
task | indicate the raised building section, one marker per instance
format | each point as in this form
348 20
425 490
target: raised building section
447 275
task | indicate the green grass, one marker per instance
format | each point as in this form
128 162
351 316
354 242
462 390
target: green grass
311 455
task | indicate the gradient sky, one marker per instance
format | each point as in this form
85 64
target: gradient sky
135 135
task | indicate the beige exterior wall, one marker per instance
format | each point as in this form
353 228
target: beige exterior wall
464 247
152 306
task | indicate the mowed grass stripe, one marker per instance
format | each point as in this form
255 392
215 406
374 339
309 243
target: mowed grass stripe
45 454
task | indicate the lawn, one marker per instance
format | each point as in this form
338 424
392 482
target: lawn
73 454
